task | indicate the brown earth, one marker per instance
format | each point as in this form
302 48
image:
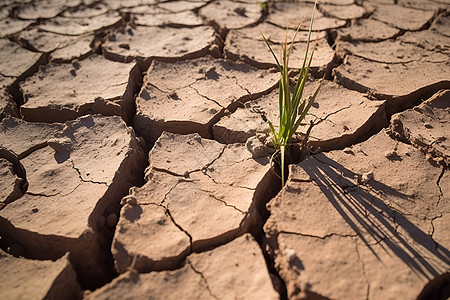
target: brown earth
134 161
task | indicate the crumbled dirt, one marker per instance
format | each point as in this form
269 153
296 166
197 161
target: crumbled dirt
136 159
425 126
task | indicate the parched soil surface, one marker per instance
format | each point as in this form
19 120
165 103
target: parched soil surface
134 161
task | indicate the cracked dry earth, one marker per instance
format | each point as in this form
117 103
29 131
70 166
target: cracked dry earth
132 163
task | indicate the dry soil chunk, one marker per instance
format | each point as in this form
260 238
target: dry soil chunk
378 223
10 26
344 12
44 9
402 17
406 49
164 153
442 25
339 123
276 34
37 279
367 30
4 12
47 41
10 184
442 226
326 267
231 14
78 26
117 4
435 45
184 18
180 6
189 96
79 49
338 2
145 9
8 106
61 92
168 246
424 4
212 203
86 11
289 14
6 81
243 273
23 61
21 138
183 283
392 80
252 49
69 196
426 126
159 42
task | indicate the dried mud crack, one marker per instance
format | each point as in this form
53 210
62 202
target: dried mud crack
133 159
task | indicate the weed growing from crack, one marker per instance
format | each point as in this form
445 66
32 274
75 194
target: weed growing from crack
292 107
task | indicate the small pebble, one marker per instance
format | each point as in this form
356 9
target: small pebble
290 254
367 177
441 161
348 150
128 199
257 148
391 154
16 250
132 201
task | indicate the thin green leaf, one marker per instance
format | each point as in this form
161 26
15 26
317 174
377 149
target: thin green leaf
270 48
292 107
308 106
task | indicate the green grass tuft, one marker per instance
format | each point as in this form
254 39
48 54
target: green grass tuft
292 107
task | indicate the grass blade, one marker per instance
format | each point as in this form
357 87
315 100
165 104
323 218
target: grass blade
270 48
293 108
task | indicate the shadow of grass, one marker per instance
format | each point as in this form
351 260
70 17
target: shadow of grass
365 209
